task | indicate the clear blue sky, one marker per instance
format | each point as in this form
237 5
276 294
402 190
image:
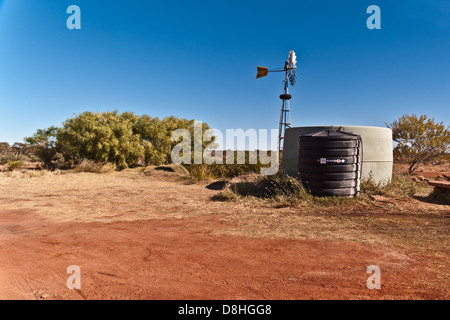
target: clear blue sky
197 59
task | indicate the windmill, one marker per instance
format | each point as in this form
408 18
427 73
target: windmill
289 68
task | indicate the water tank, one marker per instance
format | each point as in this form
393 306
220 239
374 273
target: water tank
376 159
330 163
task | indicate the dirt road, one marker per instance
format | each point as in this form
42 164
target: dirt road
189 257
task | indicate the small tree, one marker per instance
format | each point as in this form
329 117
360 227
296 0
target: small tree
43 143
420 140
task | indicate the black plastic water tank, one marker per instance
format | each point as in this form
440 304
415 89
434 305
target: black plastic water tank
330 163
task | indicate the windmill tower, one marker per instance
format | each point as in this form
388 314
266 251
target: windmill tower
289 69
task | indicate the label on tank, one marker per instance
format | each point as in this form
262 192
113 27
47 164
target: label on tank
325 160
336 161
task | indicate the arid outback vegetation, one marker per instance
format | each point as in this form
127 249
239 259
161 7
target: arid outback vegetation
162 231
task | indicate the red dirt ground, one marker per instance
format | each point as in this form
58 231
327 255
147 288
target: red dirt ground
183 259
186 256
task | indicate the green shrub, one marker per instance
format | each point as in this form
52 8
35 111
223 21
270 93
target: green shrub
420 140
127 140
4 159
153 156
16 152
14 165
59 162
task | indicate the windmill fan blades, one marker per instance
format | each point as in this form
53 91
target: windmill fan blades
261 72
292 77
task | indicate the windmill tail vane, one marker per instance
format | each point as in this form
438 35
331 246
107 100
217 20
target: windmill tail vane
261 72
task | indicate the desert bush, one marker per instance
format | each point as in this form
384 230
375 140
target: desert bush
59 162
201 172
153 156
15 165
280 188
100 137
285 190
284 187
16 152
205 172
159 133
420 140
86 165
127 140
4 159
401 185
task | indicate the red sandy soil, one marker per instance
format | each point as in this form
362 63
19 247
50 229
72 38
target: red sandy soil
182 259
189 258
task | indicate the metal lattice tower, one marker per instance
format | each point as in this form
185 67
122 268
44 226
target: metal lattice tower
285 115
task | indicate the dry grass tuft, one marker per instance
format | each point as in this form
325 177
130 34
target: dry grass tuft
175 168
226 195
15 165
201 173
172 173
280 190
94 167
401 186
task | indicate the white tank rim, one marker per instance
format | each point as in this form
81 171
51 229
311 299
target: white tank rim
340 125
